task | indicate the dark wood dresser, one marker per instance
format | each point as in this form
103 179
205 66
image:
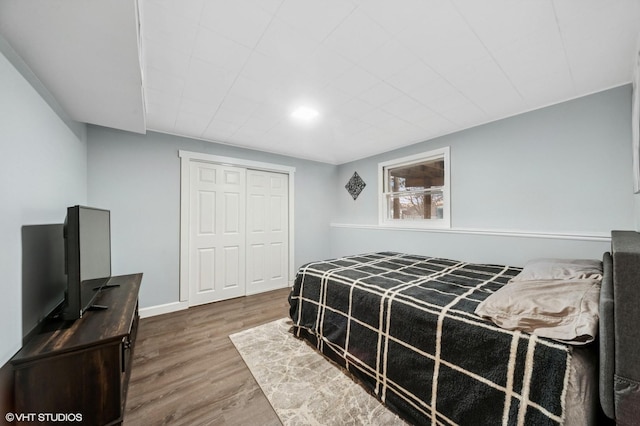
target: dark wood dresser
82 368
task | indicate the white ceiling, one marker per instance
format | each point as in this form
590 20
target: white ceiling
85 53
382 74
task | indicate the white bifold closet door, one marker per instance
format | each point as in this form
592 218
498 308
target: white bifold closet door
239 232
267 231
217 233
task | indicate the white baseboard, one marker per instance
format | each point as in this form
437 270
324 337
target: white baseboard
167 308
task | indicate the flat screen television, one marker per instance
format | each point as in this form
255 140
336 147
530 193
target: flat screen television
87 233
43 279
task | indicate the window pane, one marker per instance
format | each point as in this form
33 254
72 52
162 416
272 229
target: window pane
416 189
415 206
416 176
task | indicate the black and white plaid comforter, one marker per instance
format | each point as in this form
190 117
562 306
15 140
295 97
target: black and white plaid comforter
405 326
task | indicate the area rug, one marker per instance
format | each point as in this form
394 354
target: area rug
303 387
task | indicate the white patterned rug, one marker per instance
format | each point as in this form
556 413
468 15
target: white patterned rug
302 386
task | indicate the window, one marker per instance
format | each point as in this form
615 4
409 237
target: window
415 190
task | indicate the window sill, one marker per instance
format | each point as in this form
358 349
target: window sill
427 225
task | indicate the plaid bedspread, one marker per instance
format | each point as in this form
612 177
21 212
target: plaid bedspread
404 325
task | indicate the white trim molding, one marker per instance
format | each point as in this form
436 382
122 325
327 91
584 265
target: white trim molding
167 308
580 236
186 157
235 162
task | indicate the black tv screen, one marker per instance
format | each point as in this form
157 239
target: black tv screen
43 279
88 257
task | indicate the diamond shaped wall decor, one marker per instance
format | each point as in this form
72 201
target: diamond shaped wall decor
355 185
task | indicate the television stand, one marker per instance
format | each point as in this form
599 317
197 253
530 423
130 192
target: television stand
82 369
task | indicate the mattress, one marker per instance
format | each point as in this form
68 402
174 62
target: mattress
405 326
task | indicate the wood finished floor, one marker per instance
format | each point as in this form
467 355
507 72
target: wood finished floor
186 371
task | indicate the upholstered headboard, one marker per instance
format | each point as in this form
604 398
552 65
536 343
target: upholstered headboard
620 329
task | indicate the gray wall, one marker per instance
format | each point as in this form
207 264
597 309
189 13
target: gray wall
561 169
43 172
137 177
566 168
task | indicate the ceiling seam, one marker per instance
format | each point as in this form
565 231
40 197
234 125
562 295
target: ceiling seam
564 44
244 64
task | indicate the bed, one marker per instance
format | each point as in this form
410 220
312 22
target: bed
406 327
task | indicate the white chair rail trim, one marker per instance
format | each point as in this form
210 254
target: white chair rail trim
581 236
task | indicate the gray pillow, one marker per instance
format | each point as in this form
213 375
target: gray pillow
560 269
564 310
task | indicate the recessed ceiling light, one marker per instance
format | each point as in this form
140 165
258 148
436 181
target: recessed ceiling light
304 113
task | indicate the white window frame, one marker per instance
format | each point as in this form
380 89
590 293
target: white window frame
445 222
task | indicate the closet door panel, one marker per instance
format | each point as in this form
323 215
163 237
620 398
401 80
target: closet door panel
267 231
216 233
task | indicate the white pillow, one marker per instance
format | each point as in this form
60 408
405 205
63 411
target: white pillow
564 310
560 269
